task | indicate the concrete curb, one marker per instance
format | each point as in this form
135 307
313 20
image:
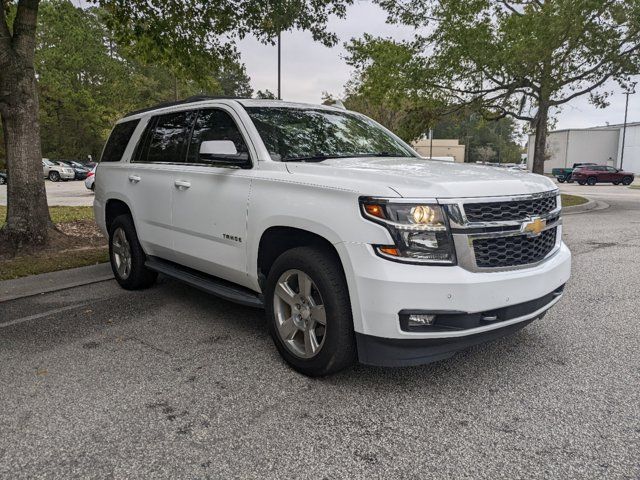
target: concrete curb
54 281
585 207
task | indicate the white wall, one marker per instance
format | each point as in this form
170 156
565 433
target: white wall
567 147
631 161
597 146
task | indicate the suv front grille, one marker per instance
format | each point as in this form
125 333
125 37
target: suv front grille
513 251
510 210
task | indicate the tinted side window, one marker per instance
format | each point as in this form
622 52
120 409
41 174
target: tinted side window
611 169
168 140
118 141
214 125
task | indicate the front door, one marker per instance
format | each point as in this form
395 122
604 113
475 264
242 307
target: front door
210 202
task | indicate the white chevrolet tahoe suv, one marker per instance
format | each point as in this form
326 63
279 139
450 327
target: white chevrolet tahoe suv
356 247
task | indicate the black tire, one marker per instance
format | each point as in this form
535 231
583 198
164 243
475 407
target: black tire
591 181
2 181
93 186
561 179
627 180
139 276
616 183
54 176
338 349
581 182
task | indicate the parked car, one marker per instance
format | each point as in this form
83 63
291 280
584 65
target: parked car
79 169
3 178
90 181
592 174
56 172
356 247
564 174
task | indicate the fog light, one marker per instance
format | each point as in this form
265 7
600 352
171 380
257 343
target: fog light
421 320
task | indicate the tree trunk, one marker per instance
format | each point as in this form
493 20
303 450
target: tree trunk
28 219
540 143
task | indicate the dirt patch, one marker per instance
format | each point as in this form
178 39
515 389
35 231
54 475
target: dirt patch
66 237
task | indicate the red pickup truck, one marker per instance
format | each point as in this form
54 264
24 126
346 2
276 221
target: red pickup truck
592 174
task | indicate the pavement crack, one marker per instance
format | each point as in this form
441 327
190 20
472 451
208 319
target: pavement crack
149 345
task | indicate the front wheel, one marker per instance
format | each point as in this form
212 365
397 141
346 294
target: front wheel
54 176
127 257
2 181
309 312
627 181
561 179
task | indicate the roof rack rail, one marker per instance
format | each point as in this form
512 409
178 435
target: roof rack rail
195 98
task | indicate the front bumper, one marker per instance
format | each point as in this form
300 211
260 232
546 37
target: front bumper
385 352
380 290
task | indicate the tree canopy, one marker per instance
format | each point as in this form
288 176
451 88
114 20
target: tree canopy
521 58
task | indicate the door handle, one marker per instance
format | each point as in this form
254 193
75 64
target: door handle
182 184
134 178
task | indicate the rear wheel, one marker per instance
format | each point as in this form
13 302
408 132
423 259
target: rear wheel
2 181
561 179
627 181
592 181
309 312
54 176
127 257
616 183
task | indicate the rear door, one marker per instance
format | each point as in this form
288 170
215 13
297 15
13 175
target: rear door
210 200
160 151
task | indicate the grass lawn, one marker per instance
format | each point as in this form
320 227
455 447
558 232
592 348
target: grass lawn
58 214
572 200
33 264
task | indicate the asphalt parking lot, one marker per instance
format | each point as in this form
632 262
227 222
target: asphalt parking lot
171 383
72 193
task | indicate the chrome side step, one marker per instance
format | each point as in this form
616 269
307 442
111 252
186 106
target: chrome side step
207 283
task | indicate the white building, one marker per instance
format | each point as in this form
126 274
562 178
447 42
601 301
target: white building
601 145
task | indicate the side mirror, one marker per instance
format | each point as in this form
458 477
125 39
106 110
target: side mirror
223 152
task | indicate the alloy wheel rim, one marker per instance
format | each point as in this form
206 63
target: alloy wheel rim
121 253
299 310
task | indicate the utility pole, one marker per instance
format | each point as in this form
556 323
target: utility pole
630 91
279 65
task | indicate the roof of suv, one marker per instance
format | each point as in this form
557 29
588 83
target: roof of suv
246 102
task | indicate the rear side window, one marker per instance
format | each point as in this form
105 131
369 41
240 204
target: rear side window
118 141
166 138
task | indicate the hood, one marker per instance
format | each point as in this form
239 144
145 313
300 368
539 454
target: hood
417 177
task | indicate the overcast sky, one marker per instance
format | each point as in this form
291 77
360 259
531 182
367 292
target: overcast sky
309 68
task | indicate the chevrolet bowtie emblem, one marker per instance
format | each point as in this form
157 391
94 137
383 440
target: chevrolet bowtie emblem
533 227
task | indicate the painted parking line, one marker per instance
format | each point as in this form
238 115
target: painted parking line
41 315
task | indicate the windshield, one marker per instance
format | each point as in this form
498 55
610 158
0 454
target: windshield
309 134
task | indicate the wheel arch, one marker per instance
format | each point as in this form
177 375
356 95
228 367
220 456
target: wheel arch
278 239
113 208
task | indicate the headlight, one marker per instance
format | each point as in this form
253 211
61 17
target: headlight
420 231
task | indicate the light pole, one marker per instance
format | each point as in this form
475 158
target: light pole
279 64
630 91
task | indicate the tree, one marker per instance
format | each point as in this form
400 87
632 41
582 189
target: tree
485 153
86 83
190 37
388 85
519 58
